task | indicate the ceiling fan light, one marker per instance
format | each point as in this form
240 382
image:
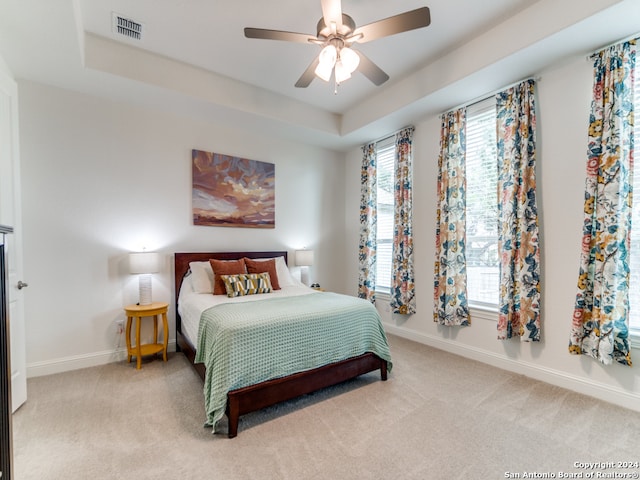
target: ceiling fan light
342 73
328 56
323 71
349 59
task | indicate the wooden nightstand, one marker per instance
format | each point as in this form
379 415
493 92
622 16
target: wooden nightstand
138 311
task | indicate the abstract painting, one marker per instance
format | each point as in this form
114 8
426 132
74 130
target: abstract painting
232 191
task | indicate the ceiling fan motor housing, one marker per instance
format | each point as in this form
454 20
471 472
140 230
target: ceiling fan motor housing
344 30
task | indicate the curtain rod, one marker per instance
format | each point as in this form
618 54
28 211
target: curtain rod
386 136
635 36
491 94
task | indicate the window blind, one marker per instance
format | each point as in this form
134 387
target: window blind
482 205
385 150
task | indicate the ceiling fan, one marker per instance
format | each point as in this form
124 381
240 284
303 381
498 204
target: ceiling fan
336 33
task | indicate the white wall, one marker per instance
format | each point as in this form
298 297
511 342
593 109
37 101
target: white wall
101 179
563 98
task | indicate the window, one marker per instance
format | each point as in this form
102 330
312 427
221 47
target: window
385 151
634 263
483 270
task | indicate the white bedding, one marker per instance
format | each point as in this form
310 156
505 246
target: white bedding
191 304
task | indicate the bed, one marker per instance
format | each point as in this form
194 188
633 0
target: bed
251 392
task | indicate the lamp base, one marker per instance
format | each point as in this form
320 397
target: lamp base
304 275
144 283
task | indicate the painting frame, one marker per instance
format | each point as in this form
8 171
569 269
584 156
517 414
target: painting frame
231 191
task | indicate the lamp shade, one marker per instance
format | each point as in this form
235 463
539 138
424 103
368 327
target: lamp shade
323 71
304 258
350 59
342 73
144 262
326 61
328 55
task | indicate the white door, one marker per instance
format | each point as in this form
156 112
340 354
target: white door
10 214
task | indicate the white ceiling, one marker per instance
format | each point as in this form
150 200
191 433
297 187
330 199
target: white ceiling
195 59
209 34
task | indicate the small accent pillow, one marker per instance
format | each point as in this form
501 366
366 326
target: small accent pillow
225 267
262 266
247 284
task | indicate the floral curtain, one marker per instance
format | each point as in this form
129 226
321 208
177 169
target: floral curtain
600 325
518 243
368 224
450 306
403 299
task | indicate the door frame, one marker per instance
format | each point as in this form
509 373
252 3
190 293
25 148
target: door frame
11 214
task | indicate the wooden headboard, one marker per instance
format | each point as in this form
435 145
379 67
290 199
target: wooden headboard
181 262
181 265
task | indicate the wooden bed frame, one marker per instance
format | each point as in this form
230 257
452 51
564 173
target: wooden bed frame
264 394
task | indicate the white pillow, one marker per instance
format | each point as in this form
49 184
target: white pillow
187 285
284 275
201 277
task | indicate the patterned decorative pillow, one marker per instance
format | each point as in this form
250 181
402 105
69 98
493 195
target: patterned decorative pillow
247 284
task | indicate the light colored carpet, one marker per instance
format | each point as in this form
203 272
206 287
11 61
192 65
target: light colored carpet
438 416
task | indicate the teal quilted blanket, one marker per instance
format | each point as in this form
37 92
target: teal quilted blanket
242 344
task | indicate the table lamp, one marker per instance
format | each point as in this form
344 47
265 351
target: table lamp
304 259
144 264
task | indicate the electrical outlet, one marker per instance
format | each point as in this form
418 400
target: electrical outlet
119 327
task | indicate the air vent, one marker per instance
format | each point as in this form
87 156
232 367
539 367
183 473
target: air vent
127 27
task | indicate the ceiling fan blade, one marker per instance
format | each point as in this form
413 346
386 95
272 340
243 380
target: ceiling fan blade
418 18
309 74
371 70
332 12
265 34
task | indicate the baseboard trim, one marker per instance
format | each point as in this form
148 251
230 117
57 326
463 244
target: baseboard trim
76 362
600 391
